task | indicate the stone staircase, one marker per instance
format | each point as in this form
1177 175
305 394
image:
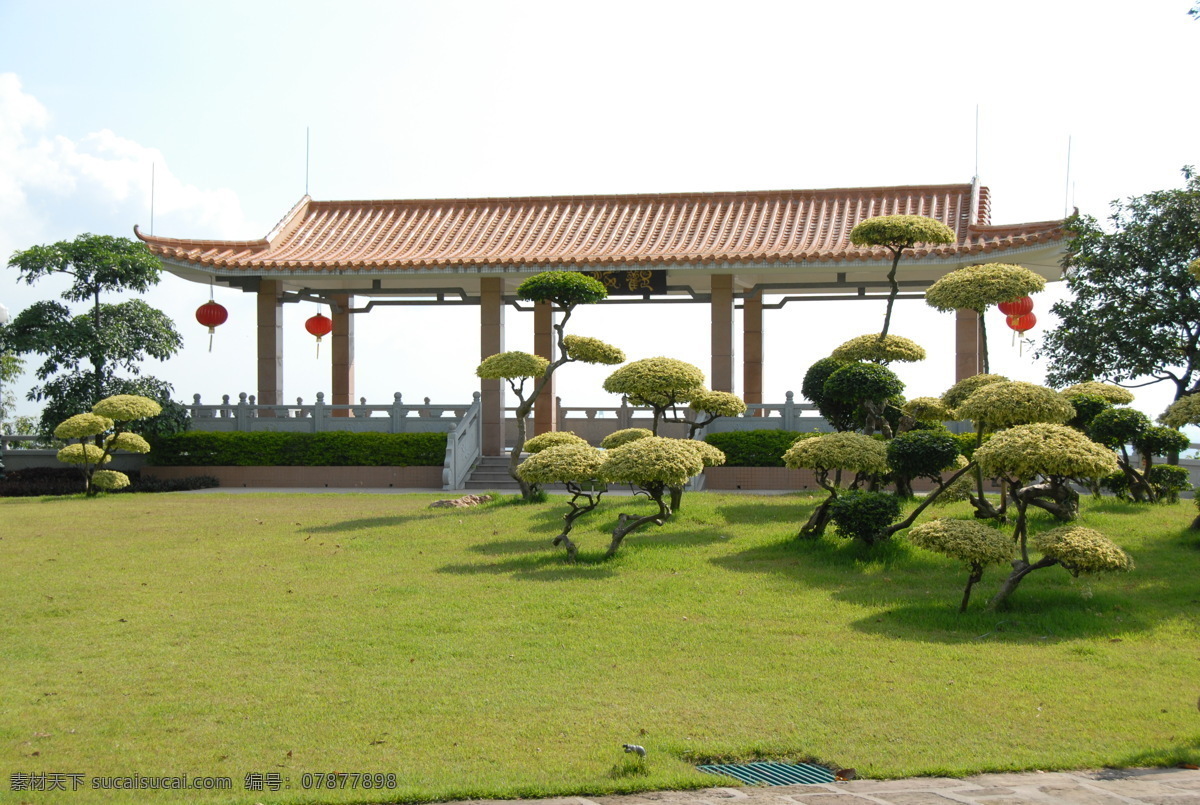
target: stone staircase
492 473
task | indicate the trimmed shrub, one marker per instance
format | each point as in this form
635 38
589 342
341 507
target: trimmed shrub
332 449
1087 407
856 382
1159 441
1118 427
880 350
1114 394
922 453
755 448
546 440
44 481
1168 481
864 515
957 394
1007 403
1083 550
624 436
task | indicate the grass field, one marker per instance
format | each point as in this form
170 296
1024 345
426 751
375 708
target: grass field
289 634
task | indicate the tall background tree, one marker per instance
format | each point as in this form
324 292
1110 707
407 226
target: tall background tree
1134 314
84 353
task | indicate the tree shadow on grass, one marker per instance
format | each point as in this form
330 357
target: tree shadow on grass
1185 751
797 510
395 520
542 566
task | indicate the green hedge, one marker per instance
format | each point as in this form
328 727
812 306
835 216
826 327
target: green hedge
754 448
269 449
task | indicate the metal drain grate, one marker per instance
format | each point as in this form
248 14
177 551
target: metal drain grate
766 773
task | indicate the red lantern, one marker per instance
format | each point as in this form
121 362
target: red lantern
212 315
319 325
1017 307
1022 323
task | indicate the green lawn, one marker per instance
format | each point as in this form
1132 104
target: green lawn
230 634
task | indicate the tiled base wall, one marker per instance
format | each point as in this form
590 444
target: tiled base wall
315 477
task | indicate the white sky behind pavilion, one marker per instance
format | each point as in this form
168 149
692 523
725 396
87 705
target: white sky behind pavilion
464 99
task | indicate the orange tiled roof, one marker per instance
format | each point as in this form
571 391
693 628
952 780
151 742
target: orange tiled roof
685 229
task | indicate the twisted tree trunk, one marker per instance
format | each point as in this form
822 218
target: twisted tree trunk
628 523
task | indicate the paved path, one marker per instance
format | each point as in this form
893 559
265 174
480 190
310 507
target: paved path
1108 787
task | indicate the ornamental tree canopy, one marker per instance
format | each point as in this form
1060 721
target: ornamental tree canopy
656 381
1184 411
979 287
552 439
968 541
562 288
838 451
900 232
1134 312
511 365
653 460
1114 394
1082 550
957 394
879 349
1026 451
562 463
1013 402
620 437
592 350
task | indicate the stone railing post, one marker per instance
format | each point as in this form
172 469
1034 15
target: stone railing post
789 412
624 413
319 413
242 413
397 414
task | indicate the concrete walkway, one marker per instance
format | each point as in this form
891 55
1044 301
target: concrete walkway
1107 787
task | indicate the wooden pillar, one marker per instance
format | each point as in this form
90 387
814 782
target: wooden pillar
752 350
491 341
270 342
968 356
342 380
545 417
722 332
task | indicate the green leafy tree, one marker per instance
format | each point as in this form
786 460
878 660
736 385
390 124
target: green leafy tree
828 456
1134 314
571 462
84 354
969 541
896 233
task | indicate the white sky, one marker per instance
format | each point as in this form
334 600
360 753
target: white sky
453 99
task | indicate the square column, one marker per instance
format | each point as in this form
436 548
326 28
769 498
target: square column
752 350
270 342
491 342
545 415
722 332
342 378
968 355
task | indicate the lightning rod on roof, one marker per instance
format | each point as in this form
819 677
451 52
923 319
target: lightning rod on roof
1067 190
976 141
306 151
151 198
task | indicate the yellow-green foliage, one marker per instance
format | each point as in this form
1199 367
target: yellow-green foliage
1026 451
1184 411
1014 402
957 394
1082 550
711 455
928 409
511 365
130 442
870 348
1194 267
900 231
654 459
81 426
82 454
720 403
657 381
969 541
592 350
127 407
561 463
624 436
109 480
552 439
978 287
1114 394
838 451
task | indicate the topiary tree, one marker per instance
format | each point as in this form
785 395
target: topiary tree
552 439
102 432
1116 429
864 515
1184 411
1086 406
921 412
879 349
624 436
1159 441
957 394
1108 391
658 383
654 465
978 288
840 416
869 387
1081 551
1055 453
835 453
576 464
897 233
969 541
920 454
1168 481
999 404
566 290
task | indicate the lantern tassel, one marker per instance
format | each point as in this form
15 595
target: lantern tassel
211 330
